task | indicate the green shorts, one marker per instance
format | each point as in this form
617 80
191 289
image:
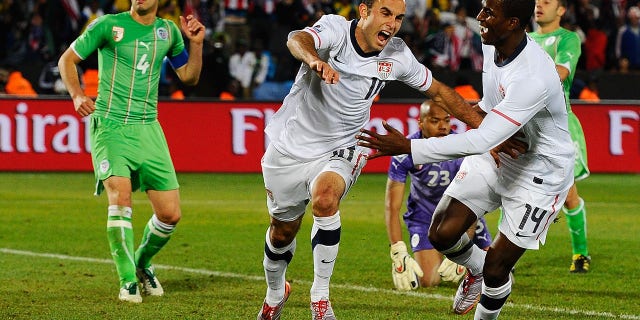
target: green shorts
581 169
135 151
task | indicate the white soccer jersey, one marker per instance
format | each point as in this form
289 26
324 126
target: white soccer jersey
521 94
317 118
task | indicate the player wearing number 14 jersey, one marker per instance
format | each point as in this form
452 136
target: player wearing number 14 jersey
128 147
312 155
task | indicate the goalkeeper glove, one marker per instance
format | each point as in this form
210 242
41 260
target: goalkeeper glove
451 271
405 271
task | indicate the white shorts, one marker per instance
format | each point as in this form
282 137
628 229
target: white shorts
288 181
527 214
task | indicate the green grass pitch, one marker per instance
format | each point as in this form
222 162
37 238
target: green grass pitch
55 263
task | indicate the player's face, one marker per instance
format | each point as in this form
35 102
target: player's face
380 23
144 7
548 11
493 25
435 123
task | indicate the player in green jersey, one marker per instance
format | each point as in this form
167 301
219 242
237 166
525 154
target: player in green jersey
564 47
129 150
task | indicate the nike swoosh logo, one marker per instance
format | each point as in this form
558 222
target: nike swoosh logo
330 261
336 59
519 234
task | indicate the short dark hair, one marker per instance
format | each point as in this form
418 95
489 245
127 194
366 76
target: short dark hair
369 3
521 9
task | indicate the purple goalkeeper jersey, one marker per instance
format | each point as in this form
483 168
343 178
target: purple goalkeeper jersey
428 182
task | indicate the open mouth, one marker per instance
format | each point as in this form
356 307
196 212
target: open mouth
384 36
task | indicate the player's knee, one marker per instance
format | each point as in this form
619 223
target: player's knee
282 234
440 239
170 217
431 280
325 205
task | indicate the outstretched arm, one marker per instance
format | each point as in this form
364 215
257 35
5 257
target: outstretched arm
454 104
302 47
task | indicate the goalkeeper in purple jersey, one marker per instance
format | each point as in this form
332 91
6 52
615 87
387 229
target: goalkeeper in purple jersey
428 183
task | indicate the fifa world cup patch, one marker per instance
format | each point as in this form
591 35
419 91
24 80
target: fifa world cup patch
163 34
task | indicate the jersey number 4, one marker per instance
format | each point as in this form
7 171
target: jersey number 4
143 64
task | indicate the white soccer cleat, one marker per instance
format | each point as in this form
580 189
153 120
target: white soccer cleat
468 293
150 284
130 293
322 310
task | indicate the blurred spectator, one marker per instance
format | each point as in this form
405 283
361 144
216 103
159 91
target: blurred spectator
121 5
15 83
346 8
628 41
235 21
175 93
50 81
594 47
215 77
261 66
241 65
443 47
211 15
231 92
590 92
290 15
261 19
469 45
170 9
464 88
90 12
90 80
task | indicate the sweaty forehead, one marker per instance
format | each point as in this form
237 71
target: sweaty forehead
396 7
494 5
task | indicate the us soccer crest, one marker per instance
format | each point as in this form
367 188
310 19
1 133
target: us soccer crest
117 33
384 69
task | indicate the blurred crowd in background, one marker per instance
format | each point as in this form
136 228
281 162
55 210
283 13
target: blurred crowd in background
245 54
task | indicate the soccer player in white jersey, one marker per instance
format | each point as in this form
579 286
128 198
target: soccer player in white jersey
523 96
312 155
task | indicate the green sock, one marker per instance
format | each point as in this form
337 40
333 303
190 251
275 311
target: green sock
156 235
577 222
120 235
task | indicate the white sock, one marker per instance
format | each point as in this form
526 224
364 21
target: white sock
325 240
275 264
492 301
465 253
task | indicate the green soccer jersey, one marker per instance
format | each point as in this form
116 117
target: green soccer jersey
564 48
130 57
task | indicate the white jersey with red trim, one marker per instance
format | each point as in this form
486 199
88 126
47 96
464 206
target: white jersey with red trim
317 118
522 94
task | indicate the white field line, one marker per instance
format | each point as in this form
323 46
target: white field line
342 286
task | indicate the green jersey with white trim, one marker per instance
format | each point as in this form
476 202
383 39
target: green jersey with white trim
564 47
130 57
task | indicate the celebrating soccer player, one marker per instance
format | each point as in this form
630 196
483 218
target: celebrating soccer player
312 155
522 97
